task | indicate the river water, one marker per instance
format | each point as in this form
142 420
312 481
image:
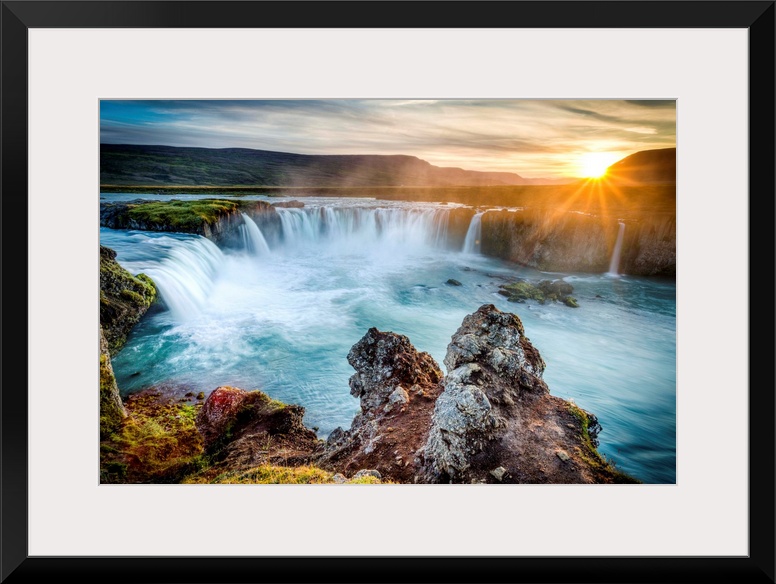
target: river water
280 314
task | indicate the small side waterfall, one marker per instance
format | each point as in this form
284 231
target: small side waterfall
252 237
474 234
614 264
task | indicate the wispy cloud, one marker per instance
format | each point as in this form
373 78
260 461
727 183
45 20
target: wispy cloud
531 137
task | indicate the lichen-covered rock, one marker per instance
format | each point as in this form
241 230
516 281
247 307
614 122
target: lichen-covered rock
111 407
384 362
242 429
496 413
493 343
553 290
124 298
397 386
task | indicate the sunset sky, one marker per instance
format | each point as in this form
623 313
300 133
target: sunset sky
534 138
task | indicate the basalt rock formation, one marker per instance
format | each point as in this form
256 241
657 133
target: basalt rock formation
490 419
574 242
124 298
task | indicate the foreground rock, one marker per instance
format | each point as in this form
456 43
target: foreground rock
490 420
397 386
124 298
496 421
243 429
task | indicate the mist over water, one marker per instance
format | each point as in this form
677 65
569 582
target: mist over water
283 318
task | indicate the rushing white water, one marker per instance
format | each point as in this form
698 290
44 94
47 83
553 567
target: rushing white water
387 228
285 324
474 234
253 237
614 264
183 268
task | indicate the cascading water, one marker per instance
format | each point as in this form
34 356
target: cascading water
614 264
252 237
474 234
183 267
186 276
347 227
285 324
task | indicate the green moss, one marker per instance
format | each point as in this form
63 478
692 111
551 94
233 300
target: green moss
132 296
158 443
124 298
545 291
365 480
110 410
604 468
270 474
187 216
522 291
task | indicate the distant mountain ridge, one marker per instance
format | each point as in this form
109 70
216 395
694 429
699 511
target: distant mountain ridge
140 165
645 167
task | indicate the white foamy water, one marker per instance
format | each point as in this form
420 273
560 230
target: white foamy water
284 322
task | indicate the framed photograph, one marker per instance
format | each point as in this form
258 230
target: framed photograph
470 297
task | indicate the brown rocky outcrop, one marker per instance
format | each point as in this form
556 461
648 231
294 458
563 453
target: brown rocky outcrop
496 421
243 429
490 419
397 386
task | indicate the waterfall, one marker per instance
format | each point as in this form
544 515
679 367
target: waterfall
614 264
186 275
472 242
407 229
252 237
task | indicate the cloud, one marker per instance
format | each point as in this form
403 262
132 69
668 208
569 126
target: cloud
530 137
642 130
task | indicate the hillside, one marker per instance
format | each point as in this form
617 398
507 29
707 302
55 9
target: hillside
645 167
167 165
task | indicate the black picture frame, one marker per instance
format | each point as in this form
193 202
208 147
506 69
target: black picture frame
19 16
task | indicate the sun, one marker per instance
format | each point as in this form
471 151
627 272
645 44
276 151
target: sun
594 164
